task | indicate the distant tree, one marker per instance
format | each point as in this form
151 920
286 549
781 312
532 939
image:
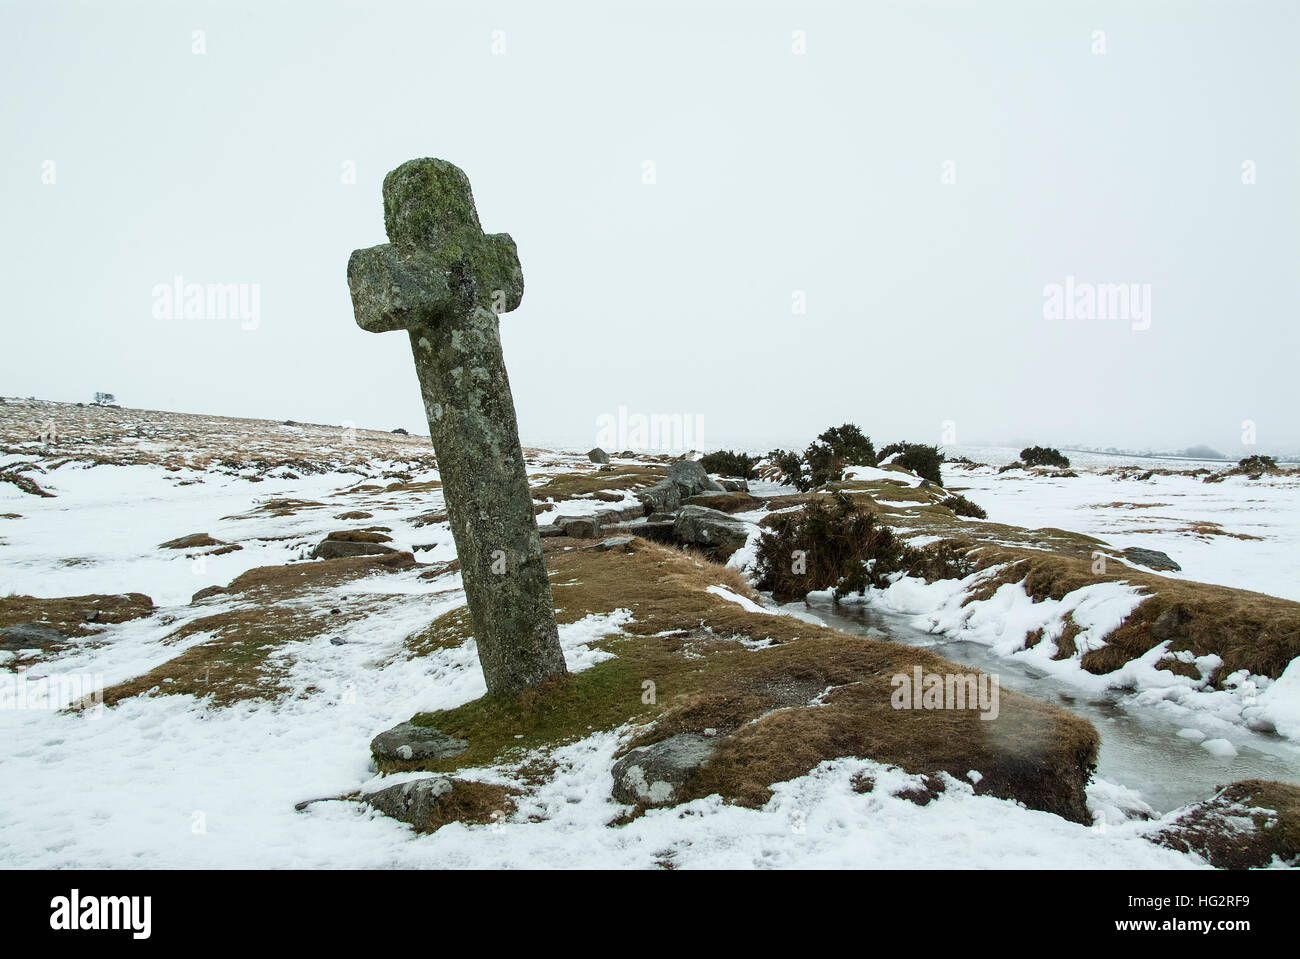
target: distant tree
1043 456
1201 453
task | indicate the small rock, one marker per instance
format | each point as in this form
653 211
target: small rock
336 548
30 636
579 527
193 541
406 742
613 542
338 641
1150 558
207 591
652 774
598 455
732 485
401 432
412 801
710 527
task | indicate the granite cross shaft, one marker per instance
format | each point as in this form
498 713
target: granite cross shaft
444 281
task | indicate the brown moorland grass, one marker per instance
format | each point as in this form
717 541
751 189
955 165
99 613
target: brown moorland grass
75 615
685 641
600 483
1247 630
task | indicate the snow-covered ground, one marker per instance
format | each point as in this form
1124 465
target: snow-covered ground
1250 544
170 780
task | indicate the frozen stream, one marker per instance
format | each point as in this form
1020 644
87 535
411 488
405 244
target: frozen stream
1140 746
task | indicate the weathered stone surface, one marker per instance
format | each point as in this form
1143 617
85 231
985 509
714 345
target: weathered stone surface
664 497
444 281
30 636
652 774
691 477
207 591
598 455
193 541
702 499
1151 558
579 527
407 742
412 801
732 485
611 542
710 527
334 548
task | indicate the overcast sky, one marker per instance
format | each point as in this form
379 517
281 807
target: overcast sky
913 174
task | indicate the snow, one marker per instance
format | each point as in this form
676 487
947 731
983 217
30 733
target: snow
170 781
1279 704
1158 514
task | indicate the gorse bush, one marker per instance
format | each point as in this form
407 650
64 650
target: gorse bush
1043 456
791 467
836 448
963 507
728 463
924 461
1256 465
839 544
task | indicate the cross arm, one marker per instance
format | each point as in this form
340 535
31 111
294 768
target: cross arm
394 289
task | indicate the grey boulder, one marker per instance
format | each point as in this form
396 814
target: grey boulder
30 636
337 548
1150 558
691 477
652 775
598 455
710 527
412 802
407 742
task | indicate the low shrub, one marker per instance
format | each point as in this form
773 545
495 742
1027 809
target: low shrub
730 463
839 544
1043 456
963 507
924 461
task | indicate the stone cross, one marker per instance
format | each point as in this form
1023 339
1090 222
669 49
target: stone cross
444 281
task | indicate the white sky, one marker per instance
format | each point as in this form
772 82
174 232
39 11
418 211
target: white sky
775 172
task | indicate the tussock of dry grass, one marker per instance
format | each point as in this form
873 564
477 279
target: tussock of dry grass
68 614
1248 630
599 483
